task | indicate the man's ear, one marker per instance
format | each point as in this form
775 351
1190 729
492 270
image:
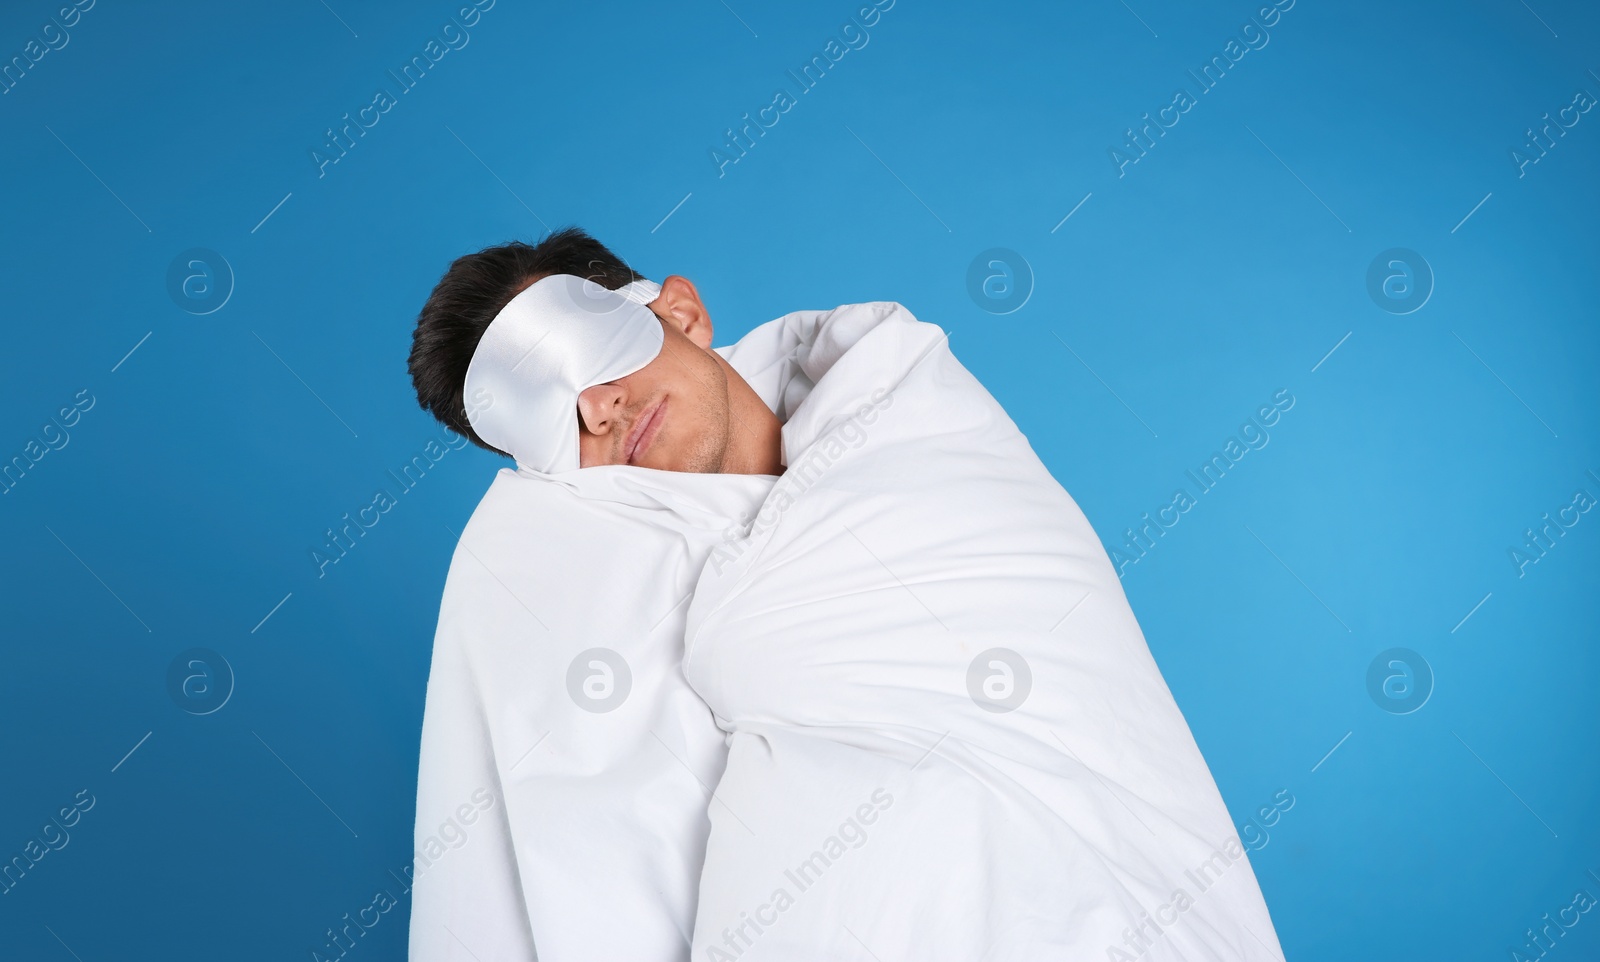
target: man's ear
680 306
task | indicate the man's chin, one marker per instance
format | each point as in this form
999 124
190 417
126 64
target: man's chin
699 465
708 458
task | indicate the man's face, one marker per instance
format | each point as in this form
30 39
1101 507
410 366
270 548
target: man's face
672 414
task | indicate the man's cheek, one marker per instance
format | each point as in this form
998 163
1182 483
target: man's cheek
594 450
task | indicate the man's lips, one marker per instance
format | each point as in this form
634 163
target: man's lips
645 430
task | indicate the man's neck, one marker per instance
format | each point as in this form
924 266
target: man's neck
755 435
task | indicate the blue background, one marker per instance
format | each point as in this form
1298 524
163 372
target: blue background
1223 266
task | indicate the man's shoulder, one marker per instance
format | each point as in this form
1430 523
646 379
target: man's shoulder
823 337
863 314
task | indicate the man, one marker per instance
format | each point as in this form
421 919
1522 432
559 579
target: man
934 728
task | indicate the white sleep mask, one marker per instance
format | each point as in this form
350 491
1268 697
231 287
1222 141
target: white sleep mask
560 336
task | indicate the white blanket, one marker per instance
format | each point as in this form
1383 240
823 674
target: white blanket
870 802
948 737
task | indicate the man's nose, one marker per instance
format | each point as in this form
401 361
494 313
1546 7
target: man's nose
599 407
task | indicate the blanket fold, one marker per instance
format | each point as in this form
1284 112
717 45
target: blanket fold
565 764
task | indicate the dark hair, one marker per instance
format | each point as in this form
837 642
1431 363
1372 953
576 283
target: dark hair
475 289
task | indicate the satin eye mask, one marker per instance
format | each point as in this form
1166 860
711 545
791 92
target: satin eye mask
554 340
